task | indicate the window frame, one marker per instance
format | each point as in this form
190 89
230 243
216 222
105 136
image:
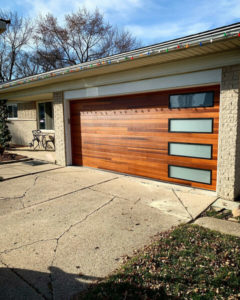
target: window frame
37 115
187 107
12 104
198 144
188 179
201 132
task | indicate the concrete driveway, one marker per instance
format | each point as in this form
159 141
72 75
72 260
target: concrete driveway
65 228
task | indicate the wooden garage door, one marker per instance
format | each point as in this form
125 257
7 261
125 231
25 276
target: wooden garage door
164 135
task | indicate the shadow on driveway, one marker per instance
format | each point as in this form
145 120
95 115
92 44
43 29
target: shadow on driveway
15 284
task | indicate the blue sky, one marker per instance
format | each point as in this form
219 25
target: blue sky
151 21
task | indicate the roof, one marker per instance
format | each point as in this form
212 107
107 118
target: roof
3 25
211 41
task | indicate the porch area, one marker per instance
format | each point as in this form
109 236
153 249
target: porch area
39 154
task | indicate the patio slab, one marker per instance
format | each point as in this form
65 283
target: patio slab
18 169
39 154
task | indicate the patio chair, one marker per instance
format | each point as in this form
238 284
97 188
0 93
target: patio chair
36 137
51 139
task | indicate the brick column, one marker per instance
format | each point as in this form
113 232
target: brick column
59 128
228 183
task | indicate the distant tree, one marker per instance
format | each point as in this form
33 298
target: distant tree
5 136
84 36
14 43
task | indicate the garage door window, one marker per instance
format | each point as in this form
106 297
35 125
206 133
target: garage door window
191 125
45 115
190 150
190 174
205 99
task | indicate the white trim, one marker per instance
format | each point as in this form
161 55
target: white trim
148 85
14 119
156 84
47 130
68 142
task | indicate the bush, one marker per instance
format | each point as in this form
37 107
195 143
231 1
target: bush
5 136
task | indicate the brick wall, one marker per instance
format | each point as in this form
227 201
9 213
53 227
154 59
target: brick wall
59 128
228 185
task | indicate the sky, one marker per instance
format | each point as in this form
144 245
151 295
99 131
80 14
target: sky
151 21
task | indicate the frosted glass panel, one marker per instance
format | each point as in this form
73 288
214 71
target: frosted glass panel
191 125
191 150
203 176
192 100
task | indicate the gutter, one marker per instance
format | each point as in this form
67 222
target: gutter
200 39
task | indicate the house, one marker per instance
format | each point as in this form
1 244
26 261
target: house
169 111
3 25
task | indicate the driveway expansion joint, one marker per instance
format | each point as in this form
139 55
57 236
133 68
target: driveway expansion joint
109 194
179 199
67 194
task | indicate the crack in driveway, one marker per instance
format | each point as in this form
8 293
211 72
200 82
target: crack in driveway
67 231
24 194
54 251
25 245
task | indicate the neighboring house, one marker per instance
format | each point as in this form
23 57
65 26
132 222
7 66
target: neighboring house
3 25
168 111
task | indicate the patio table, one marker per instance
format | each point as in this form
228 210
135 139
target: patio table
41 139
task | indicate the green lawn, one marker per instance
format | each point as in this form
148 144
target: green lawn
189 262
225 214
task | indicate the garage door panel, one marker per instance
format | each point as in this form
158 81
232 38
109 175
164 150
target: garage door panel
153 159
131 134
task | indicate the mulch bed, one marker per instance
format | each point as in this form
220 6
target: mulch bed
10 157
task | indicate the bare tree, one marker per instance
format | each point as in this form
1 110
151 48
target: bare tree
84 36
27 50
12 45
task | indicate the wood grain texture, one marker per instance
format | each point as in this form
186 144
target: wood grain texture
129 134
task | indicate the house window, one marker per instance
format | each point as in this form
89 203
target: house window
205 99
45 115
12 111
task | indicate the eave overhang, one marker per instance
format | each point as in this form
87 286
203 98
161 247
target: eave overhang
222 39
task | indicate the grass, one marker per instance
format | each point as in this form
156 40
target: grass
224 214
219 215
189 262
